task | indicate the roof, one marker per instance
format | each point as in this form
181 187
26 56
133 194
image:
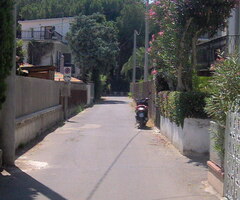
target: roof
47 19
59 77
29 67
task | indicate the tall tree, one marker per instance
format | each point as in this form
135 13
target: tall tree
187 20
6 44
132 18
93 41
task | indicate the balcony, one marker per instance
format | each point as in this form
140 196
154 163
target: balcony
40 35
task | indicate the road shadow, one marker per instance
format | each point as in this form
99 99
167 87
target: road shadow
102 101
146 128
16 184
23 149
198 159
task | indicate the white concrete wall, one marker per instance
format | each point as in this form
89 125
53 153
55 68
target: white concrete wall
192 138
90 93
30 126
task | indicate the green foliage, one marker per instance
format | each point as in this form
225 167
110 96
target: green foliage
79 108
119 11
103 84
6 44
39 9
128 66
132 18
224 89
181 23
218 138
20 53
130 94
93 41
201 83
180 105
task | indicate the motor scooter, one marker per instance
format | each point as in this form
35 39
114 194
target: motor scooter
141 112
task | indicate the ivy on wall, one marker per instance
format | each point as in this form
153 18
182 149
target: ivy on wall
6 44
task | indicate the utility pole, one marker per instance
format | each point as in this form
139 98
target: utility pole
134 56
146 43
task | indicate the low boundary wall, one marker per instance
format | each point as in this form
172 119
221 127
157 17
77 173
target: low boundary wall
30 126
192 138
39 105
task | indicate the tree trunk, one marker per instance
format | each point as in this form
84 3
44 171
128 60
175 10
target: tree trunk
97 83
182 58
194 49
180 85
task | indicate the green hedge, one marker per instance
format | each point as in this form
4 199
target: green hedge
6 43
180 105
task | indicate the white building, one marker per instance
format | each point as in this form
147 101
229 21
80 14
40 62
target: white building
227 41
43 27
45 42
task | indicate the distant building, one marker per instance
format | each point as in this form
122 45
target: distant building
46 44
226 42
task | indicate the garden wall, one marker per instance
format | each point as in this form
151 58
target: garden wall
39 105
190 135
192 138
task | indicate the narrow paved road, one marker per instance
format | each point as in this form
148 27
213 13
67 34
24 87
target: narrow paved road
100 155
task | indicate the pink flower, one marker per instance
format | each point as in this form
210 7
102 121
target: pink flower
152 13
149 49
161 33
154 72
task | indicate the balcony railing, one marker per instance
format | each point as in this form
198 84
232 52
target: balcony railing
207 51
40 35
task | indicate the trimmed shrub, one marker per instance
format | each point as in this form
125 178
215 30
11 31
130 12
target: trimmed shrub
180 105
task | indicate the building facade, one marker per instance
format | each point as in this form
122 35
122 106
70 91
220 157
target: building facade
46 44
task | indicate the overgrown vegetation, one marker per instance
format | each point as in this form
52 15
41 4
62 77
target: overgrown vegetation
181 23
225 95
180 105
224 89
79 108
6 44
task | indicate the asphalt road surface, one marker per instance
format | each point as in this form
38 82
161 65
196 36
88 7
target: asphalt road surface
100 155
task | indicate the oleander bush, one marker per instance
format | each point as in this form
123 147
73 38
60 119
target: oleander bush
224 96
224 89
180 105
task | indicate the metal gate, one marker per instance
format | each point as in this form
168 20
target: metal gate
232 157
